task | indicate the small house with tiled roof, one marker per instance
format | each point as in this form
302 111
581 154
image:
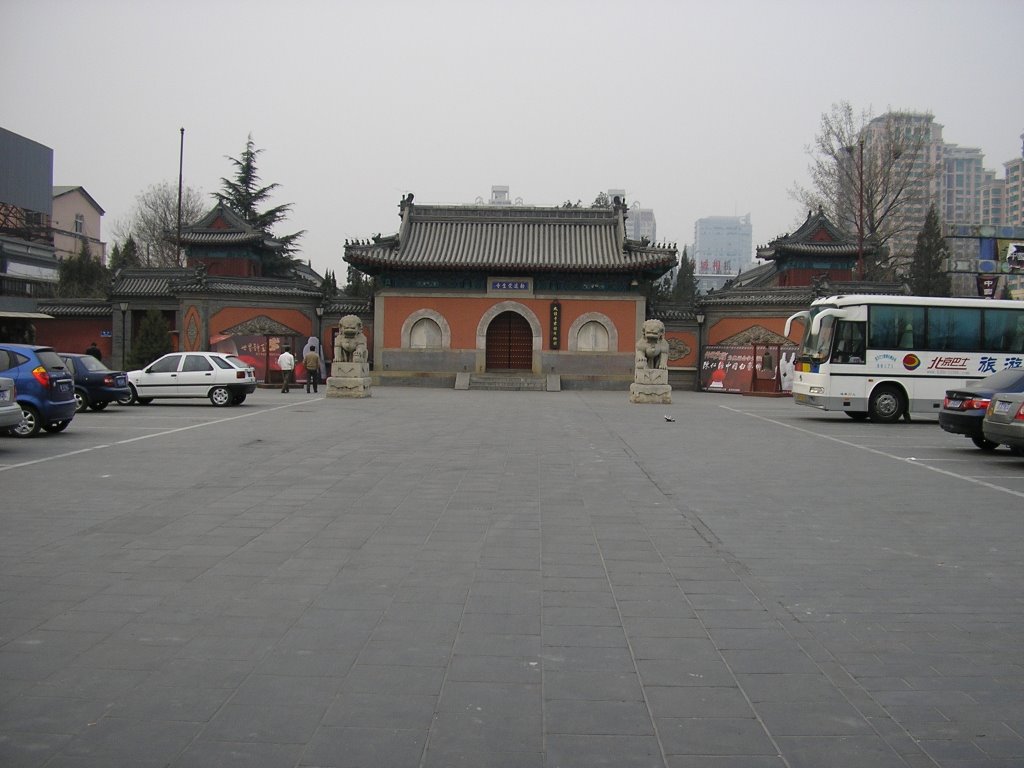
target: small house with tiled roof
482 289
817 249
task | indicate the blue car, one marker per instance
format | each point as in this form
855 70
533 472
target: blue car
95 385
46 390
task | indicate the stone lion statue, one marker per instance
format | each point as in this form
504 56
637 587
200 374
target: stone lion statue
350 344
652 349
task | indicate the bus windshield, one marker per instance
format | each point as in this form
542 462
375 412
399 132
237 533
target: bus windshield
814 347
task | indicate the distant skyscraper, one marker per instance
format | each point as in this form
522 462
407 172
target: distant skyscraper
640 222
1014 204
722 245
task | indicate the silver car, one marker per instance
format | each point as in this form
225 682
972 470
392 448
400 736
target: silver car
10 411
1004 421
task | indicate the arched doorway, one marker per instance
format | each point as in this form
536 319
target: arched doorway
509 343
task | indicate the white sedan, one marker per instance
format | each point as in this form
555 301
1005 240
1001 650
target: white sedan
225 379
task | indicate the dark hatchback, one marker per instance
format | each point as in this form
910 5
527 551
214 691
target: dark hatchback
96 386
963 410
46 390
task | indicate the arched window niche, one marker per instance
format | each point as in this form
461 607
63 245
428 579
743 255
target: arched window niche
593 332
426 329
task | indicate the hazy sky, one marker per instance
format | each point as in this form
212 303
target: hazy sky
694 108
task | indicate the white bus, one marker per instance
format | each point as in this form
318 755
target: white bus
885 357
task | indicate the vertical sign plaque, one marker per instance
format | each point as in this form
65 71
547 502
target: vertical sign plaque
556 325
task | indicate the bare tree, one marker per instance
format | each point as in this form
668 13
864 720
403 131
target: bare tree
870 176
156 214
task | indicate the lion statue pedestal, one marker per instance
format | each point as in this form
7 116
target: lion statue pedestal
350 371
650 373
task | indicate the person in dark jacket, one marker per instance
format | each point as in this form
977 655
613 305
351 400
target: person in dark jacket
94 351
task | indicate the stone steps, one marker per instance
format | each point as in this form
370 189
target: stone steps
515 382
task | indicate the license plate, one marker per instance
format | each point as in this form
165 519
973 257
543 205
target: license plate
3 394
119 381
800 398
1002 406
955 403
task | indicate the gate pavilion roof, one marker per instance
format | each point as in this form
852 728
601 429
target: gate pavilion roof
513 239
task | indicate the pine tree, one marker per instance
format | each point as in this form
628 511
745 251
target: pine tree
126 256
685 290
152 341
244 195
927 267
82 276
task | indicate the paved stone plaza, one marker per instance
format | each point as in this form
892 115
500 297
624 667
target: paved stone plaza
438 578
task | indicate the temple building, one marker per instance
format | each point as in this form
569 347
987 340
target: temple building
466 291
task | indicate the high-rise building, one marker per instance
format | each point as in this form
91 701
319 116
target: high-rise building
640 222
1014 193
722 245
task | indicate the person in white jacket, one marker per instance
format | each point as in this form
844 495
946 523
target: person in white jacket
286 362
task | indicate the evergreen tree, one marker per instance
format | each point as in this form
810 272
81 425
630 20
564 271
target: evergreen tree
153 340
927 267
244 195
358 283
126 256
685 289
329 285
81 276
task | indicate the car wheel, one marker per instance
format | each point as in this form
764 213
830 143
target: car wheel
887 404
129 398
238 399
857 415
57 426
220 396
81 401
143 400
29 426
984 443
98 406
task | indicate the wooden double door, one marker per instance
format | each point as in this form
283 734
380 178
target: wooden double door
509 343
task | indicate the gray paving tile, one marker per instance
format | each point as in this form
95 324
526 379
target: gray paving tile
597 717
714 736
358 747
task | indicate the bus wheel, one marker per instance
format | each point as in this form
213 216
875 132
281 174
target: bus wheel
857 415
887 404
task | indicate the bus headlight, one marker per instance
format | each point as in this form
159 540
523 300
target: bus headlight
817 390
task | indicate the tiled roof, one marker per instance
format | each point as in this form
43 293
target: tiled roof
146 282
672 312
170 281
517 238
220 238
75 307
817 236
347 305
802 296
222 226
242 286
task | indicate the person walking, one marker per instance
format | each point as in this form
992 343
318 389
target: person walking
311 362
286 362
93 350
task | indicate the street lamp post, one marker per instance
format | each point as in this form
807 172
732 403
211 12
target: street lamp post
700 349
319 322
123 306
860 209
